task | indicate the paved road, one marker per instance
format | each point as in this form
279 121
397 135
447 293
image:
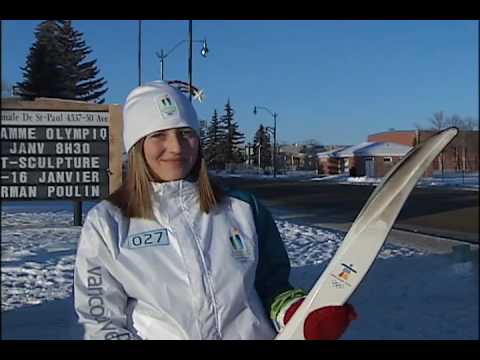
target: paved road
432 211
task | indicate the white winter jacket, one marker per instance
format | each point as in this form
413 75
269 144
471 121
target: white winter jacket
184 275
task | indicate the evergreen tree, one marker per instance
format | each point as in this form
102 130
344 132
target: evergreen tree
263 147
213 143
80 74
233 138
54 66
43 74
203 132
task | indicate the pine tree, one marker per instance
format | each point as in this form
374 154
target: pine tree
54 66
203 132
213 143
233 138
79 72
263 147
43 74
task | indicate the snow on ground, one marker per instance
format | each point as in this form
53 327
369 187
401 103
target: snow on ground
408 294
260 175
310 246
453 181
411 298
468 181
38 255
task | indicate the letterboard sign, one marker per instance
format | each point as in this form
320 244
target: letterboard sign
53 155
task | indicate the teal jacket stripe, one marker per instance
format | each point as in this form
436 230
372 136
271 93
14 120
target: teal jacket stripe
273 269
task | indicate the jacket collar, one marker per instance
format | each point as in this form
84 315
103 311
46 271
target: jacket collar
176 187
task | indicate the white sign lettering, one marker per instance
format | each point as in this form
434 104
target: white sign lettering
47 118
69 177
27 148
56 162
17 133
72 148
19 192
70 191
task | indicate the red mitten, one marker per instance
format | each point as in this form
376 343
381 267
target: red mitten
326 323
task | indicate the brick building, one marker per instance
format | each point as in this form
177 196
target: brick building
376 159
460 155
341 160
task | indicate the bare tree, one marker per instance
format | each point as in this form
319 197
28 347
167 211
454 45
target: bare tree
461 144
455 120
470 123
458 145
418 126
468 145
438 121
311 142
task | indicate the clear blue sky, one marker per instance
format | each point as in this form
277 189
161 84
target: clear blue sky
332 81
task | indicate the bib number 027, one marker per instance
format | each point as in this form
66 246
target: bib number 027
148 238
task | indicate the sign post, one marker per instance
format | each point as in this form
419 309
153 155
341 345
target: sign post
77 213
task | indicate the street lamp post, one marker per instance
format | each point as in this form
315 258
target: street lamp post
274 115
248 153
259 146
163 55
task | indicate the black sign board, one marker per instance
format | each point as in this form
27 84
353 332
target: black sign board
53 155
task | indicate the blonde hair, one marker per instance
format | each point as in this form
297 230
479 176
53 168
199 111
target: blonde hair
134 195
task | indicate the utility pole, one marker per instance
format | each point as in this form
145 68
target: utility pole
274 115
190 46
139 52
274 144
163 55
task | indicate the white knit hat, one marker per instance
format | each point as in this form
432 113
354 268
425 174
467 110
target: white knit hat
156 106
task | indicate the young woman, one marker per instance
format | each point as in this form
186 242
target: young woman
171 255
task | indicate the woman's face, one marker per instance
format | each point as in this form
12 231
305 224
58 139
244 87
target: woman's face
172 153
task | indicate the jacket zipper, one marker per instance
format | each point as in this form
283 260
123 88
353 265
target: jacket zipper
204 265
